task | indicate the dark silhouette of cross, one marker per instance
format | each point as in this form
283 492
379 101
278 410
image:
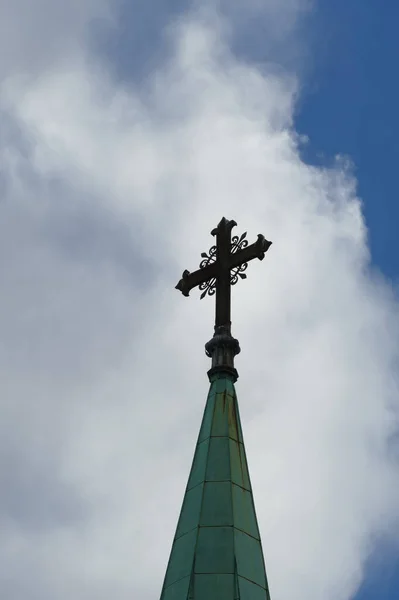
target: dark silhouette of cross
221 268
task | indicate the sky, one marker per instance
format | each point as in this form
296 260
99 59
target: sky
127 131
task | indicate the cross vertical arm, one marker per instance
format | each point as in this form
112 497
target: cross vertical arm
223 285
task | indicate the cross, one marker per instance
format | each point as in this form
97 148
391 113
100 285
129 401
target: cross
220 269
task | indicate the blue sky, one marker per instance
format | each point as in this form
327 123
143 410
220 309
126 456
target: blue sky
127 130
349 105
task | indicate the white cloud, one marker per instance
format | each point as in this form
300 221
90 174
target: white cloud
46 34
109 193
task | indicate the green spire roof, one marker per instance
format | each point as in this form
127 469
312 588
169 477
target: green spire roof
216 552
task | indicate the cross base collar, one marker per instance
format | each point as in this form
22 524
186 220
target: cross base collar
222 348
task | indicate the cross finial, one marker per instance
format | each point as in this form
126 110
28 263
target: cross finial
221 268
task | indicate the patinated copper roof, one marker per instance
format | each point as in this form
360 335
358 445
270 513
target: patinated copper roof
217 552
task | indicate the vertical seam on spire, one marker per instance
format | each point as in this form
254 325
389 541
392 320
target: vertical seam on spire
192 578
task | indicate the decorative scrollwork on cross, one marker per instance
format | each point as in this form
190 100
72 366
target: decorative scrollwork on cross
237 243
208 258
238 272
208 287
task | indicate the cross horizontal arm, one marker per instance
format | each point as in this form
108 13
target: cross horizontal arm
191 280
255 250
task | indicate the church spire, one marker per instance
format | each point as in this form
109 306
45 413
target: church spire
216 552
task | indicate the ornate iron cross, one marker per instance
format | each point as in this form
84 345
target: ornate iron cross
221 268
